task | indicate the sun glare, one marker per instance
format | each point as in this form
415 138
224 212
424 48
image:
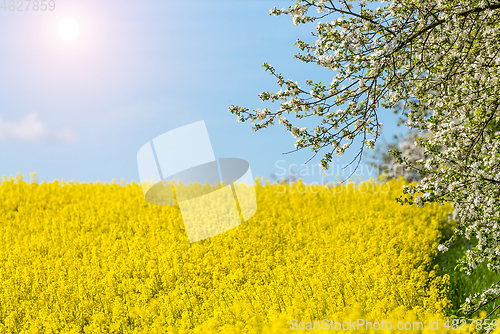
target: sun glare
68 29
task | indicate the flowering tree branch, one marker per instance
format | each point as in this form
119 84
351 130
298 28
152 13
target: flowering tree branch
441 61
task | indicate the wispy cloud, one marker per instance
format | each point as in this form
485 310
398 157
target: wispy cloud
29 129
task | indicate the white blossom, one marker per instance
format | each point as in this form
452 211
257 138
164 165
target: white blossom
446 79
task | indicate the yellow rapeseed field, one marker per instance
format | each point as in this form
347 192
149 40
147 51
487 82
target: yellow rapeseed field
91 258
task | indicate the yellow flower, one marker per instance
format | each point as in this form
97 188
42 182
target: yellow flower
81 257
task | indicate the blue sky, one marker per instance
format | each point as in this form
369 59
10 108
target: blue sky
80 109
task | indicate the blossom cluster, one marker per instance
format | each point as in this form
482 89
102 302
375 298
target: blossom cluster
407 165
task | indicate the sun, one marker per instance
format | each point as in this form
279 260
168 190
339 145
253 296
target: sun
68 29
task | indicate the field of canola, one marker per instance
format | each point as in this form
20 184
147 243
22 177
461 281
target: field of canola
90 258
